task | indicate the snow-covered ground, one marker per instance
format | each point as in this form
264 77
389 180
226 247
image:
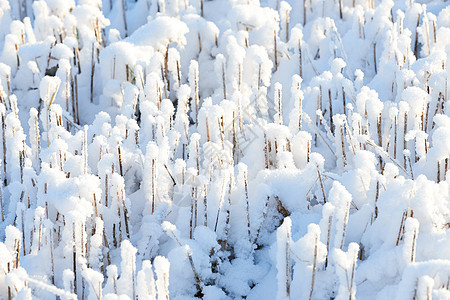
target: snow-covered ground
225 149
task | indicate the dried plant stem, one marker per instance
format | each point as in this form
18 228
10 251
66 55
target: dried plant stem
288 264
205 206
224 82
331 112
124 17
287 26
416 41
314 266
275 50
304 12
413 247
300 57
321 186
1 205
228 213
380 140
377 194
193 209
119 152
344 156
438 172
266 151
153 184
201 8
266 205
74 259
375 57
125 214
405 130
344 229
330 222
401 229
247 206
92 74
352 278
76 101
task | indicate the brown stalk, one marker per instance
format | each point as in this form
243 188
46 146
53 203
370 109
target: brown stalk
275 49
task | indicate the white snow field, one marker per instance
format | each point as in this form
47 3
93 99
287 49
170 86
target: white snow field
224 149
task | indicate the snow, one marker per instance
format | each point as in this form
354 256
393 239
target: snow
231 149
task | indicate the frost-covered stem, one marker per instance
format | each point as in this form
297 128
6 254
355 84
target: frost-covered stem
278 104
438 179
224 81
207 130
165 70
124 17
259 78
395 137
380 140
283 263
331 112
1 206
119 153
308 150
321 185
304 13
195 88
416 40
74 259
344 156
330 222
113 75
72 91
266 205
377 194
352 278
300 112
317 116
228 213
247 206
434 31
3 125
275 49
67 93
401 229
344 104
375 57
300 57
106 190
205 206
193 209
344 225
125 214
314 266
408 159
92 74
287 26
50 101
201 8
77 58
76 100
178 73
405 130
153 184
85 152
413 247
